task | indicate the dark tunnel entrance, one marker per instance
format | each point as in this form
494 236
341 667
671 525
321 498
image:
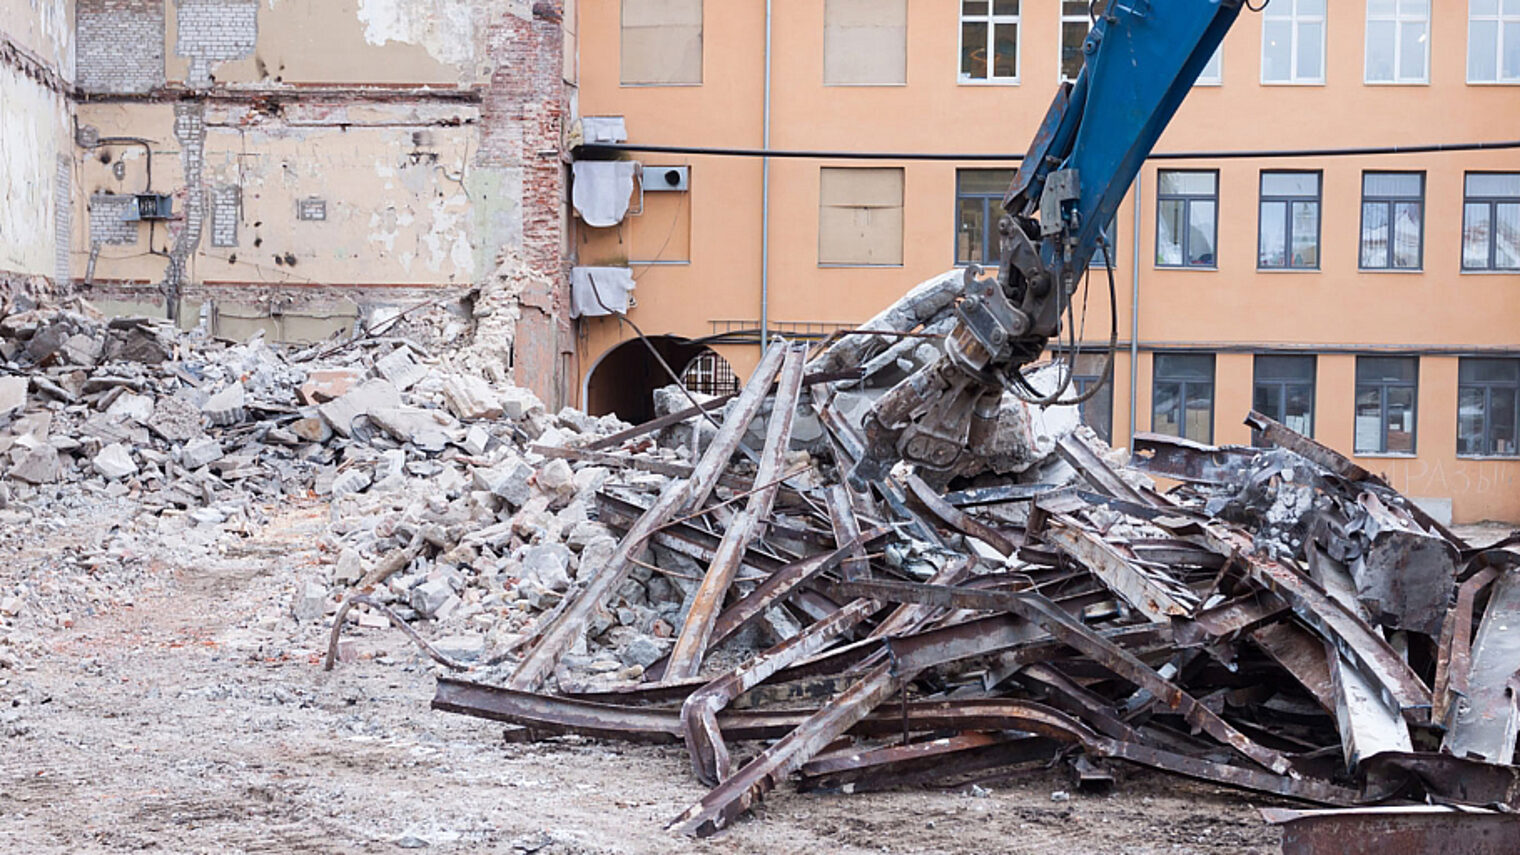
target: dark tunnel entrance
624 380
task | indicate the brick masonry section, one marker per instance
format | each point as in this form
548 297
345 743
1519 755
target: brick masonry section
190 131
224 216
119 45
106 223
210 31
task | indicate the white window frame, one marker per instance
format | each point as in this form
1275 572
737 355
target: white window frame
1082 18
1217 79
1295 18
991 20
1399 18
1500 18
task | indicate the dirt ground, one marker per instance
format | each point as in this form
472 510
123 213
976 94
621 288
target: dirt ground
189 718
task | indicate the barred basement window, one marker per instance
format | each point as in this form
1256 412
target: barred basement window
710 374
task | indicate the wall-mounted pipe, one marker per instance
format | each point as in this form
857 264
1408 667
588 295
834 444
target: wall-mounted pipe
1134 312
765 194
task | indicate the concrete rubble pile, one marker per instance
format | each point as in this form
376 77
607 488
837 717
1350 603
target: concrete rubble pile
1280 621
447 505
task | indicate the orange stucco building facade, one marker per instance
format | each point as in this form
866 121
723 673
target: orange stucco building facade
1390 278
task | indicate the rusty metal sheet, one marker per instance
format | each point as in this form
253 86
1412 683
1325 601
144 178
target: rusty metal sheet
1412 830
696 631
1153 594
921 763
1185 460
957 519
846 529
1353 638
1302 654
1041 612
1454 649
1098 473
1487 717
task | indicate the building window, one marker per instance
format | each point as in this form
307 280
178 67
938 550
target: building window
1182 396
1076 20
1393 220
1098 411
1213 72
1293 42
1386 390
710 374
1488 407
661 42
990 40
1493 41
1491 221
1187 218
978 205
860 216
1398 41
1284 390
1289 220
865 42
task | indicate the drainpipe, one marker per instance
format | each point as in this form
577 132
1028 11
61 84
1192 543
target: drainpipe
765 195
1134 316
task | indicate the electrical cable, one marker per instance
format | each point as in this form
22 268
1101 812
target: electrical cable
1260 154
701 408
1054 398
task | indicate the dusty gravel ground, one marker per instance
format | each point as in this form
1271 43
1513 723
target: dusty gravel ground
189 720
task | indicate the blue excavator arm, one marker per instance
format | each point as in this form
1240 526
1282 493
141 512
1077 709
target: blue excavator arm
1141 58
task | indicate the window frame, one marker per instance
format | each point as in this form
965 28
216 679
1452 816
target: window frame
1182 392
1061 38
1212 81
1488 387
991 19
1294 19
990 204
1383 386
1082 380
1283 384
1499 19
1493 203
1390 202
1319 219
1398 19
1187 204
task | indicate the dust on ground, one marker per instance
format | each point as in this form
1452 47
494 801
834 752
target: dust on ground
176 719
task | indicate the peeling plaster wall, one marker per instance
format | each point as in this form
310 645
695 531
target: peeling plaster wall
317 149
36 167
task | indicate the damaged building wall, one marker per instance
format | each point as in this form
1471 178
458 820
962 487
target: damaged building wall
36 185
328 159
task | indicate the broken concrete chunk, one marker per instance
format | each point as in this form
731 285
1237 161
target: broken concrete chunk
311 429
138 408
324 385
359 401
82 350
200 452
400 369
475 440
509 481
465 647
429 430
114 462
226 407
353 480
12 394
350 567
310 602
38 466
471 398
430 597
518 403
557 479
175 419
643 650
549 565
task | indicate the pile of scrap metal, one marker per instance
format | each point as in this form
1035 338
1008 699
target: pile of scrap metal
1283 622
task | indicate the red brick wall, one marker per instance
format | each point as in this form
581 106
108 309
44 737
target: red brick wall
523 115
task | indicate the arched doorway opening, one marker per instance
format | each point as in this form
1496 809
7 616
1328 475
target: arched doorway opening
624 378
